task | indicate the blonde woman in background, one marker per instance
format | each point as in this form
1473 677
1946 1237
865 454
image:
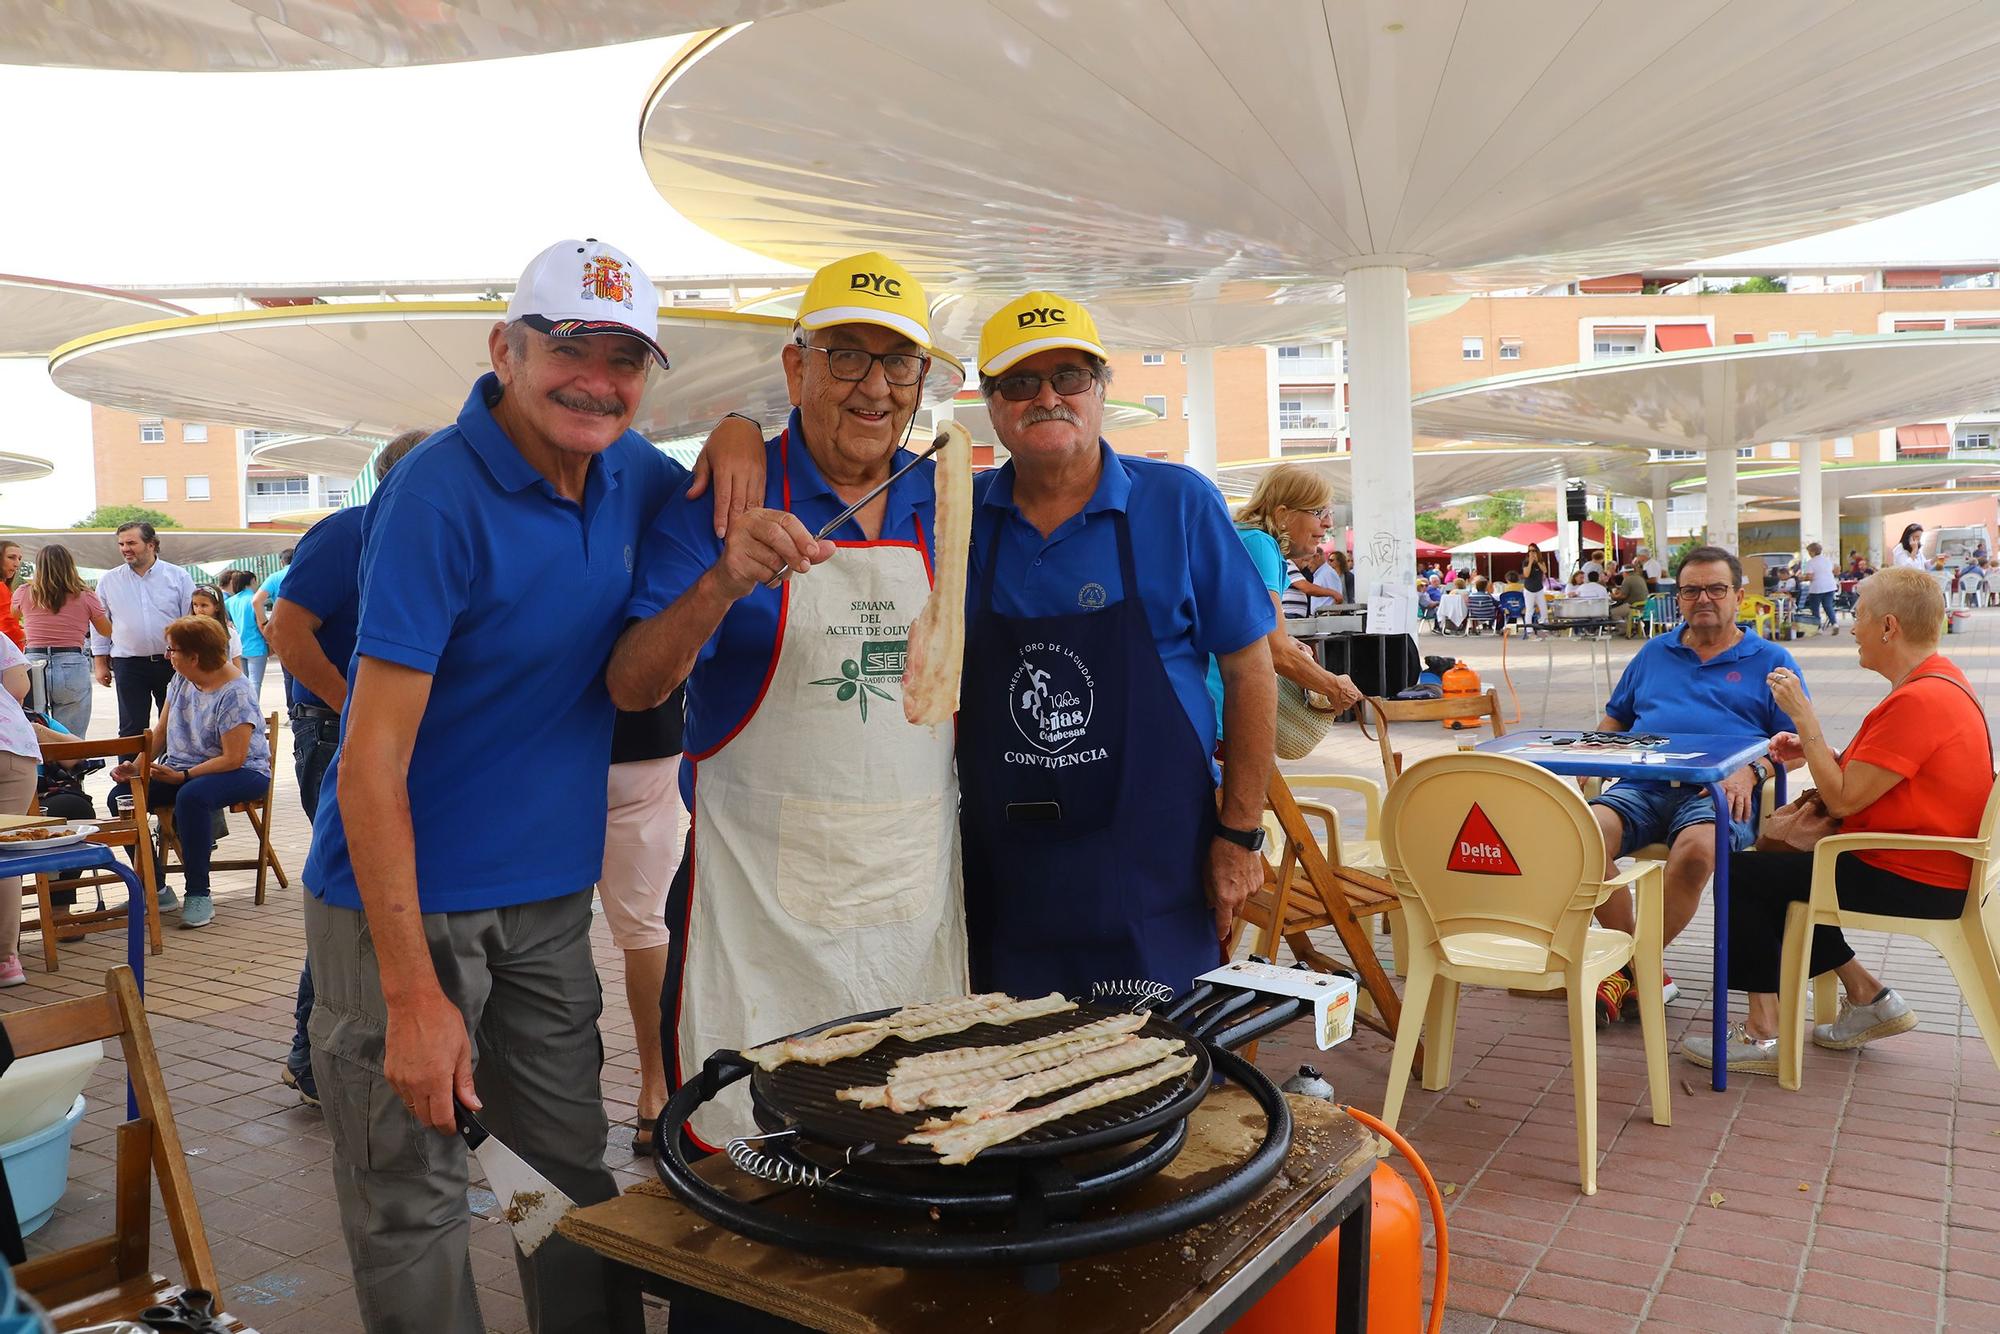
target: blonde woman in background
1286 513
59 611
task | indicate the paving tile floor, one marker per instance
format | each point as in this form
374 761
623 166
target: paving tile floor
1868 1201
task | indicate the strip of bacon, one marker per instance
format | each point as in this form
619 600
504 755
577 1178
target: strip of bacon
912 1023
976 1104
937 637
915 1092
960 1059
961 1144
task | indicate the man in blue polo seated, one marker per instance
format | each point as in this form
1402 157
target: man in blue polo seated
1707 677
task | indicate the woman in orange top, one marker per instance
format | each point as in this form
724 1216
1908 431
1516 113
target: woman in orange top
1921 763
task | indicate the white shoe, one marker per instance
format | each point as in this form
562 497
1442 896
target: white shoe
1884 1017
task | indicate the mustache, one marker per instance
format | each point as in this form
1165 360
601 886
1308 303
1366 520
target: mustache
577 402
1058 413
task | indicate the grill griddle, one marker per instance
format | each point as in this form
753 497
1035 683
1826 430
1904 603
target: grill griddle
801 1095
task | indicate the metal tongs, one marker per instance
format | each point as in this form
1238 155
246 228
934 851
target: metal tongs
943 438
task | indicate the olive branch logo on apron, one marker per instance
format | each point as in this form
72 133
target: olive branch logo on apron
852 684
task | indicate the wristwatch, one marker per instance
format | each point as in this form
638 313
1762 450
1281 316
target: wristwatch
1252 839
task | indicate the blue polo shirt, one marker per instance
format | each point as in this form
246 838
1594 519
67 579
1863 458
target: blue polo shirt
1666 688
476 572
681 545
1202 593
325 580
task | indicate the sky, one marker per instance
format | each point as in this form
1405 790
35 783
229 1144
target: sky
443 171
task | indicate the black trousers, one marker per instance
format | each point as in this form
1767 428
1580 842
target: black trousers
141 684
1763 885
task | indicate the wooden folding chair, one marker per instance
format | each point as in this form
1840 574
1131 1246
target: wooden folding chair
109 1278
1318 882
132 830
1467 708
259 812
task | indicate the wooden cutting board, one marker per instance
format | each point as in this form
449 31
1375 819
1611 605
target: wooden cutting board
1141 1289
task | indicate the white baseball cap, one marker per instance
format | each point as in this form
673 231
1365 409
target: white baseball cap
578 288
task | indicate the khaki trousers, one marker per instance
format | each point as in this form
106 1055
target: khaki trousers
526 983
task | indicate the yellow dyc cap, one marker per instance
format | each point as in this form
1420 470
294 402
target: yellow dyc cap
1035 323
867 289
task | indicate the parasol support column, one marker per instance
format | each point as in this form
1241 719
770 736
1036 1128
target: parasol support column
1384 472
1719 410
1657 540
1201 410
1812 517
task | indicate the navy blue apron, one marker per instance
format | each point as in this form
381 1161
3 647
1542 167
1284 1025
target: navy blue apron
1087 806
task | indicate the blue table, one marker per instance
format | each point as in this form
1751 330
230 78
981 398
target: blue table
1686 758
96 857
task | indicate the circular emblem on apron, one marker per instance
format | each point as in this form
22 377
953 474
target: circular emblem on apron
628 559
1090 596
1050 697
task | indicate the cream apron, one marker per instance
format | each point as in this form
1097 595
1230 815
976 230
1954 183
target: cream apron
826 867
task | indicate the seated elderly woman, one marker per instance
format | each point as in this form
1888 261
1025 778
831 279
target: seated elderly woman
212 751
1921 763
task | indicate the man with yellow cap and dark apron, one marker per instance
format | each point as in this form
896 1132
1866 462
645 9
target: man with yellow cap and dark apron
1100 586
822 876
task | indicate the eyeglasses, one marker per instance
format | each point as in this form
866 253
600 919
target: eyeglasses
1069 382
852 364
1713 592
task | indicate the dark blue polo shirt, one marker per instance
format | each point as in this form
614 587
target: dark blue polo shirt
681 546
475 571
324 578
1201 590
1667 688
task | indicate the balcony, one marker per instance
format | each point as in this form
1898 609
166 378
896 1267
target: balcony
1306 425
263 508
1307 370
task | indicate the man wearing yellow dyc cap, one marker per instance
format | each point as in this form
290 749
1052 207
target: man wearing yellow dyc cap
822 875
1100 585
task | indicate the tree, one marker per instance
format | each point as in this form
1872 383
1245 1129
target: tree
1758 284
1497 513
1438 530
110 516
1613 523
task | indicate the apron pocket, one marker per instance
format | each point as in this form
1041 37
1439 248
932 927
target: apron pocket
843 865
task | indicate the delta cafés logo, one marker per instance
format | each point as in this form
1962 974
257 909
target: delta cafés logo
1051 695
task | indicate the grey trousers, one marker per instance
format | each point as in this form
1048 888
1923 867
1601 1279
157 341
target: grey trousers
528 987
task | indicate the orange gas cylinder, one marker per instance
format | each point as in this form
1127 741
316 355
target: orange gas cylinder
1303 1300
1461 682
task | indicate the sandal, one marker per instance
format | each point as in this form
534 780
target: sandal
643 1138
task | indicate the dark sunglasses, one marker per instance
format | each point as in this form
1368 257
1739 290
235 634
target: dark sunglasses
1069 382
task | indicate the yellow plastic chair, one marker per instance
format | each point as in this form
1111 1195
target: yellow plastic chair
1761 612
1513 909
1966 941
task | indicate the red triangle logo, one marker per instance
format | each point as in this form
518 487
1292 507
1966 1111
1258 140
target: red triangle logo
1479 849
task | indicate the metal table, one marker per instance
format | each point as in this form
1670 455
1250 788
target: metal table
1599 628
1686 758
95 857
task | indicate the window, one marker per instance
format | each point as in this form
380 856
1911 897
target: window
1781 450
197 486
1472 349
1843 446
1979 439
1777 336
1290 351
1184 410
192 434
336 500
1152 359
1510 349
1156 404
1291 407
153 489
1183 358
152 431
1621 341
252 439
1746 451
1672 455
279 486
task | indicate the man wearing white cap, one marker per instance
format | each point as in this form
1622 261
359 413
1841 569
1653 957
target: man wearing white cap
447 925
822 877
1100 586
